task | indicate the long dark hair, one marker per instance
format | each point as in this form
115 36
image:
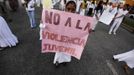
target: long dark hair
27 1
71 2
99 7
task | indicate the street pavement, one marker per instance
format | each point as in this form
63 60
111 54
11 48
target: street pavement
26 58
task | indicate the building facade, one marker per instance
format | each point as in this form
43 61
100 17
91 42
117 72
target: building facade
130 2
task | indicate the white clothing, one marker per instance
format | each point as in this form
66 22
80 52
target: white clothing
108 15
112 10
88 4
127 57
108 7
117 21
119 13
30 5
42 27
91 6
95 20
82 12
55 1
7 38
78 5
62 5
105 7
22 1
61 57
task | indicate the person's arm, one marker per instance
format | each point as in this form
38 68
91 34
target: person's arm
122 15
96 16
115 12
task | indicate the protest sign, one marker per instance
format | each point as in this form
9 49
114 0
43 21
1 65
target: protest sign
106 18
65 32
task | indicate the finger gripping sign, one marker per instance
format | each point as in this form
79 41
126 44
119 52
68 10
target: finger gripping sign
65 32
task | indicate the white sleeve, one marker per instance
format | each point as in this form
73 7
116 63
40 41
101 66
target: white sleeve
115 11
125 12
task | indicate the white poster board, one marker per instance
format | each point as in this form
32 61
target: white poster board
106 18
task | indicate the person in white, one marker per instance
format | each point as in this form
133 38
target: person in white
105 6
118 19
127 57
83 7
42 27
30 8
108 14
112 9
78 6
91 7
56 2
7 38
61 57
109 5
59 4
88 5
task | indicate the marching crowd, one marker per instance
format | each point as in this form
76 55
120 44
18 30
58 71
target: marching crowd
82 7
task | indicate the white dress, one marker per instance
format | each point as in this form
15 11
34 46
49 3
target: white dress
127 57
61 57
42 27
6 36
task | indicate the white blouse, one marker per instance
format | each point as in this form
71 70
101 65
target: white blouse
30 6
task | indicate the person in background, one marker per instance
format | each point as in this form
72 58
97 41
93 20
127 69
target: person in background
42 27
91 8
78 3
104 6
61 57
30 8
88 5
109 5
83 7
122 11
99 8
59 5
97 13
56 4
